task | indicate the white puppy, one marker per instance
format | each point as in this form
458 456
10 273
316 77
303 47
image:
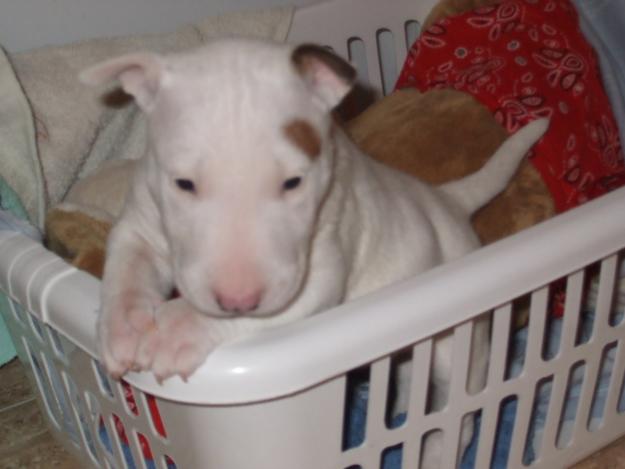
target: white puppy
258 209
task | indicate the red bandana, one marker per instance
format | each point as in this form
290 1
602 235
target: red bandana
526 59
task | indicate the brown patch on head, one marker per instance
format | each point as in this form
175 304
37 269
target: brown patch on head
304 136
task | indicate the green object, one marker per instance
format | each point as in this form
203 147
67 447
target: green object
7 349
8 201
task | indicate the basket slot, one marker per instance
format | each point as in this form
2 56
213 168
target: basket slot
572 311
598 406
82 419
44 386
150 408
618 301
53 392
516 349
535 436
388 43
461 353
398 388
401 40
373 62
421 360
129 400
412 29
460 361
168 463
500 339
61 398
618 372
491 429
378 396
605 294
587 394
102 379
375 429
555 410
100 427
134 457
104 439
114 446
521 427
570 408
145 452
536 327
357 54
392 456
488 427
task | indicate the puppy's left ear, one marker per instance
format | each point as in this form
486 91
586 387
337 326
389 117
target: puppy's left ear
329 76
140 75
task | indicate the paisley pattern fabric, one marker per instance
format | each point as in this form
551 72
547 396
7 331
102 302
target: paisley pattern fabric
526 59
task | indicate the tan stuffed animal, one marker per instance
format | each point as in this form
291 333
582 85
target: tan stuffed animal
437 136
78 228
442 135
78 238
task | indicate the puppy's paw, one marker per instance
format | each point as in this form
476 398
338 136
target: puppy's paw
119 333
180 342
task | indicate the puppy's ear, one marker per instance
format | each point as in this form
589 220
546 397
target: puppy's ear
140 75
329 76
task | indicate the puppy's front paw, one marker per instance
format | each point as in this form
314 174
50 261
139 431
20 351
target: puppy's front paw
180 342
119 334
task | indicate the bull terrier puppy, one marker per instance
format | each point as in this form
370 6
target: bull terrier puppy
258 209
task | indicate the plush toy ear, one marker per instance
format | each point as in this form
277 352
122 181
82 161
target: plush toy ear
329 76
140 75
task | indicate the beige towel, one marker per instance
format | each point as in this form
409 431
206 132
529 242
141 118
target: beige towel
19 165
76 129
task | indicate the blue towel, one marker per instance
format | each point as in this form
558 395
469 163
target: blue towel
391 459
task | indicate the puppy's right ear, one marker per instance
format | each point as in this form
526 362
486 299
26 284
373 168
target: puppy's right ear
140 75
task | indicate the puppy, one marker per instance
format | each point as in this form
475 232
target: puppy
259 210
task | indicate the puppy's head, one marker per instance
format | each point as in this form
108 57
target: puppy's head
240 161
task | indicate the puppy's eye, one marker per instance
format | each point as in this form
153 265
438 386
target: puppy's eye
186 185
291 183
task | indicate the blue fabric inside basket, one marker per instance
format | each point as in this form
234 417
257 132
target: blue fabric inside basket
391 459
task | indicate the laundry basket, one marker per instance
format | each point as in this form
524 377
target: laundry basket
315 394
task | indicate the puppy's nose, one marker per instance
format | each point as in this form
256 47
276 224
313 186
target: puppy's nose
243 302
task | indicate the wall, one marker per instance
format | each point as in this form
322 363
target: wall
25 24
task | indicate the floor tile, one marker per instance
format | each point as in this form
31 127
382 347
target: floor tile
43 452
14 386
18 424
610 457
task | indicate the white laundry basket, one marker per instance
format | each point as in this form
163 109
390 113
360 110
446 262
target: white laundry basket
282 400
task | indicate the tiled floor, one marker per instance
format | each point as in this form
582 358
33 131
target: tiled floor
26 443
